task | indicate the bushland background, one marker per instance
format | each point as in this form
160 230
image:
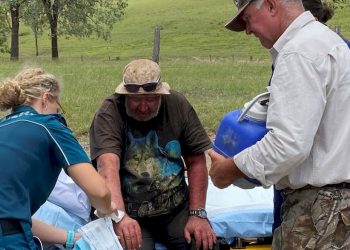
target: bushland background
217 70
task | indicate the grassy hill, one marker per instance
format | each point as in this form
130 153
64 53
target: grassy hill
216 69
188 28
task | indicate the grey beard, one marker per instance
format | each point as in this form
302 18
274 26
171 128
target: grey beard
132 115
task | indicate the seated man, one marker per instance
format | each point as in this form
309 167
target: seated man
142 140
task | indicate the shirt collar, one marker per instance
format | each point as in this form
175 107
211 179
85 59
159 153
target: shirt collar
28 110
23 108
290 33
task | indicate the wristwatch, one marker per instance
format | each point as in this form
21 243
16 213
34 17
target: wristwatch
200 212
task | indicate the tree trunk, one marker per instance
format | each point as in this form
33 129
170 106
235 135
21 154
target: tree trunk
54 38
54 43
36 43
52 9
14 8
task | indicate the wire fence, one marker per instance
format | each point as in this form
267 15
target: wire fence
115 59
114 53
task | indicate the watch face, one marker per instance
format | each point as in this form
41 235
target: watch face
201 213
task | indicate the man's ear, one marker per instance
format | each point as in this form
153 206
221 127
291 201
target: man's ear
272 6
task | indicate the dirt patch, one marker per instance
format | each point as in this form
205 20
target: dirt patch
84 141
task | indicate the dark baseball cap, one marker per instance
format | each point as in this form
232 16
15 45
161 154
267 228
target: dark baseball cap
236 23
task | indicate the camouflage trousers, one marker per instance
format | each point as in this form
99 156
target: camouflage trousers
314 218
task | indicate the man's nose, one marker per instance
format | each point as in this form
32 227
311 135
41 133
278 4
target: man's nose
143 106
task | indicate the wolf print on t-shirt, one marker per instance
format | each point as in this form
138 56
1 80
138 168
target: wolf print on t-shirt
153 175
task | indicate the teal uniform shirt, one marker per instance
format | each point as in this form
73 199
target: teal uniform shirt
33 150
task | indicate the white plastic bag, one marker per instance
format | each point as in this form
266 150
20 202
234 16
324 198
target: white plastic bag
99 234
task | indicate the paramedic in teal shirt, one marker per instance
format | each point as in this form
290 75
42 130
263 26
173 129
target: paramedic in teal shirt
35 144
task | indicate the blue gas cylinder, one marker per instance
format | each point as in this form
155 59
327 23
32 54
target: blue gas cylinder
242 128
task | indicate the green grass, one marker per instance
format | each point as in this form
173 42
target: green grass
188 28
214 88
216 69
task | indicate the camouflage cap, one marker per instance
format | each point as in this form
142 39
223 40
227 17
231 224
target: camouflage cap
142 76
236 23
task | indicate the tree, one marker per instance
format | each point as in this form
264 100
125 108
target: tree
82 18
337 3
14 10
52 10
34 17
5 27
13 7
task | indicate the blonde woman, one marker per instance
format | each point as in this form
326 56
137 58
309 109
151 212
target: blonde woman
35 144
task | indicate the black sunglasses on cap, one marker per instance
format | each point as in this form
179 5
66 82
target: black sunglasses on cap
134 87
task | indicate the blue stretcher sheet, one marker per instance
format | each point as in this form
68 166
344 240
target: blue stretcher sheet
243 213
239 213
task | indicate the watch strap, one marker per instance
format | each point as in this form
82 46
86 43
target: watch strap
200 212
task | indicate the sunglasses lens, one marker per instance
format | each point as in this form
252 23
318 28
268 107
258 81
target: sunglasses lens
132 87
148 87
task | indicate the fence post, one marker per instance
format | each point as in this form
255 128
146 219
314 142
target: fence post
156 45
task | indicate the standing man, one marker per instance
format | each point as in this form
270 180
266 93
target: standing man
322 12
142 140
307 149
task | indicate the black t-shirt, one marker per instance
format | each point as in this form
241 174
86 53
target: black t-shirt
152 168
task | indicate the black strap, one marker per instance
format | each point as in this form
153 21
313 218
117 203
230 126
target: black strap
10 226
272 70
342 185
339 185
